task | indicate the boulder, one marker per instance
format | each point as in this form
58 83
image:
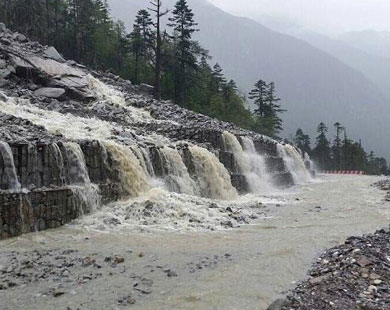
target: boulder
52 53
20 37
50 92
149 89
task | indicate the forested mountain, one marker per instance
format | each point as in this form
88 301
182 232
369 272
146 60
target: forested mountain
314 85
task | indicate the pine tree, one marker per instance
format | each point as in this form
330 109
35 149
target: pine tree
302 141
336 148
259 95
273 109
183 25
321 151
141 41
159 13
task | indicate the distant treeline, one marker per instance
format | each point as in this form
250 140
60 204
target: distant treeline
340 154
171 60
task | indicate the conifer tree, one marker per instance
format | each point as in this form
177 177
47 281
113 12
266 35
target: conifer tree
259 95
321 151
159 13
183 25
336 148
141 41
302 141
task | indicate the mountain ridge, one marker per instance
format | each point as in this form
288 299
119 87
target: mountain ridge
314 85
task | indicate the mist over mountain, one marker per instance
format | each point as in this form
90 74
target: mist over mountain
371 41
314 85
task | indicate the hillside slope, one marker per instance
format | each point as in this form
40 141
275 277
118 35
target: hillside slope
314 85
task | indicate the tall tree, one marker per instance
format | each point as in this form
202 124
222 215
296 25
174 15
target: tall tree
183 25
337 145
302 141
273 109
259 95
141 41
321 151
159 13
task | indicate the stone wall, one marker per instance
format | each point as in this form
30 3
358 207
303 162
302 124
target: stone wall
34 211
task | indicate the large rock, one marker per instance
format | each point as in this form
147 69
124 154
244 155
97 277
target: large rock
52 53
146 88
50 92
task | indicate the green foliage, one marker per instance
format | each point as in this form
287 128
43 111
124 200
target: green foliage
345 154
174 63
302 141
267 109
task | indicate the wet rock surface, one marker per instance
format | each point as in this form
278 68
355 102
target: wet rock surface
355 275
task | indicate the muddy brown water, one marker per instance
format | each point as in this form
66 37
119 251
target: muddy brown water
244 268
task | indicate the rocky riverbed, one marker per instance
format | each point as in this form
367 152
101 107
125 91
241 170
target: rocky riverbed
355 275
384 185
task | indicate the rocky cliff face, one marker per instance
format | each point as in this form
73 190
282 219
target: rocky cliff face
73 139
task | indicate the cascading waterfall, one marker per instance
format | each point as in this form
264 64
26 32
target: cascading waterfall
213 178
132 175
87 192
234 146
10 170
176 176
259 178
59 160
251 164
144 159
294 163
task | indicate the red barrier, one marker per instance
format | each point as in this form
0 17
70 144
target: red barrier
344 172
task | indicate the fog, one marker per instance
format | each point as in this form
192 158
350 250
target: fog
327 16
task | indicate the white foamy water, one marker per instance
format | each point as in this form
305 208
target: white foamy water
9 167
108 94
294 163
212 177
258 177
176 173
250 163
133 177
80 182
72 127
160 210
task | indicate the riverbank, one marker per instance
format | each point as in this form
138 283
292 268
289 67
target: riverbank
355 275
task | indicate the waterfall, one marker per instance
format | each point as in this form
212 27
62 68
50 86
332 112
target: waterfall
251 164
9 167
133 177
213 178
294 163
259 178
81 185
144 159
234 146
176 173
59 160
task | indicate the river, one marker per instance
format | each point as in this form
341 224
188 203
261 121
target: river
242 268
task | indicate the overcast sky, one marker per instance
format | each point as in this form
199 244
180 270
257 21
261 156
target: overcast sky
322 15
